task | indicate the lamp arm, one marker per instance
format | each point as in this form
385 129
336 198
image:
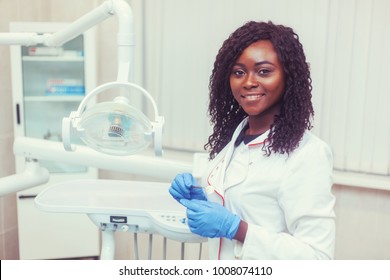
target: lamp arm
125 41
24 39
125 35
32 176
80 25
64 35
143 165
94 17
35 175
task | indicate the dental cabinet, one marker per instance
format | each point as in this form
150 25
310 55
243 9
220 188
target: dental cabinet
47 84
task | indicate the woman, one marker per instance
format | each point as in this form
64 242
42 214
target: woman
272 177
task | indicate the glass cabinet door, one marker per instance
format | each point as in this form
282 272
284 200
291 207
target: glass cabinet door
53 86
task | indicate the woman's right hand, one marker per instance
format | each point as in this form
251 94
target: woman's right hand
185 186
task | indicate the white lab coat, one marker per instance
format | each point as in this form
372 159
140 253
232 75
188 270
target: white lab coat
286 200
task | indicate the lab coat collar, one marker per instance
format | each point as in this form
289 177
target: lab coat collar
257 141
217 174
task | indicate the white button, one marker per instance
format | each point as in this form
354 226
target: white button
125 227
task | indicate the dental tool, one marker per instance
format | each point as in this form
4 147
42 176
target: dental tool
209 189
212 194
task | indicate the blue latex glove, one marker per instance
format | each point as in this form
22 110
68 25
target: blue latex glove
210 219
182 187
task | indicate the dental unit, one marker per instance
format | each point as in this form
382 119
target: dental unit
114 132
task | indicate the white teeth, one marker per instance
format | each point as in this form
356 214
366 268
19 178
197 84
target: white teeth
253 97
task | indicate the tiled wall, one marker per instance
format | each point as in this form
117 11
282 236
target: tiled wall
9 10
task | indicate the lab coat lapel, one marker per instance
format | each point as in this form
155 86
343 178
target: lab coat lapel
240 172
217 174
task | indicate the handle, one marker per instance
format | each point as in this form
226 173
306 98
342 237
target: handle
17 114
103 87
27 196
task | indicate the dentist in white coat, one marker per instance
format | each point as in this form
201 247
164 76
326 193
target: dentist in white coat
270 178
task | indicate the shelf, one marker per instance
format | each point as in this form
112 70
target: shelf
72 98
52 59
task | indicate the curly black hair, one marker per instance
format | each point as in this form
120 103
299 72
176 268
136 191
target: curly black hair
296 107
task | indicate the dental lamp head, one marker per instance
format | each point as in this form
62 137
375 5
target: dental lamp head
114 127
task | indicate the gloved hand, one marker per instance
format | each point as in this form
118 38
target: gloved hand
210 219
183 187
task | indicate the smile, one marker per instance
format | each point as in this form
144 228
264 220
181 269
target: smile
253 97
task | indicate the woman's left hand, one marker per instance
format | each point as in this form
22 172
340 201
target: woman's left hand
210 219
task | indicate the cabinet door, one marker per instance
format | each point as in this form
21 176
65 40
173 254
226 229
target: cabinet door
47 84
45 235
53 86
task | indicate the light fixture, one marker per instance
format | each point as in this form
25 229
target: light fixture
114 127
126 130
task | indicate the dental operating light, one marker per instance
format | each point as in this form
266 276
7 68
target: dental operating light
114 127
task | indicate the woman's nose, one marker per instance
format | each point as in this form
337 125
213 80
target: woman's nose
251 81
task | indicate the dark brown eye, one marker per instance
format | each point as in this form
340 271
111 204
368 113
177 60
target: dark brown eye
264 71
238 73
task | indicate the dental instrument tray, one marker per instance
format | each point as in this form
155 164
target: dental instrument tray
115 205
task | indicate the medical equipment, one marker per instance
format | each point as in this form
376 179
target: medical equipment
110 197
125 131
109 208
114 127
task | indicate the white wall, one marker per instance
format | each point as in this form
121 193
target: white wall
178 45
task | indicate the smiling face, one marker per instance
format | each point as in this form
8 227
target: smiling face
257 83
